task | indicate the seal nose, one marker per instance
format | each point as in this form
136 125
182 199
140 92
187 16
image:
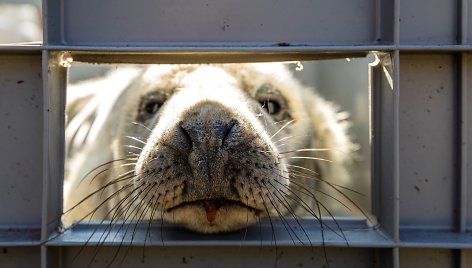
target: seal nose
206 132
212 135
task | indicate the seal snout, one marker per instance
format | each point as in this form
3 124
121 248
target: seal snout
211 135
207 131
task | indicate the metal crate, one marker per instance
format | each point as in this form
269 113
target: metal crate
420 116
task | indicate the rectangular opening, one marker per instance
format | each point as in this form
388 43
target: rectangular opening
300 129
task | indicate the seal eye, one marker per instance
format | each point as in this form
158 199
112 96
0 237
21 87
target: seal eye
152 107
149 105
271 106
272 100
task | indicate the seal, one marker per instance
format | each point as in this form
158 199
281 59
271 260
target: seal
211 147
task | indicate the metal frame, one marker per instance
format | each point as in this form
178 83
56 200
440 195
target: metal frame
416 44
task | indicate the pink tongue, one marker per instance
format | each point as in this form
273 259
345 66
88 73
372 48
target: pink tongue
211 207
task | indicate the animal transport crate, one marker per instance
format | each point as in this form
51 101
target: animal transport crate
421 122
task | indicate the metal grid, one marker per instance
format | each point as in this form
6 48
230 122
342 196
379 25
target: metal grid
421 126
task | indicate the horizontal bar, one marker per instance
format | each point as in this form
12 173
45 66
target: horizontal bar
355 233
414 238
241 47
13 237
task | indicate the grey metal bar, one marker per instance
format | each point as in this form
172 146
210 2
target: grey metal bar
396 257
463 142
378 20
45 205
236 48
463 259
463 21
463 28
355 233
396 107
396 23
396 142
53 141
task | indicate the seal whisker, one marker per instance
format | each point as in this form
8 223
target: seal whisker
292 213
139 218
287 205
307 157
308 150
113 221
296 198
142 125
112 182
301 175
282 128
136 139
101 222
132 147
307 192
291 137
105 164
283 220
273 237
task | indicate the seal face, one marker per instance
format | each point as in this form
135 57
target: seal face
213 148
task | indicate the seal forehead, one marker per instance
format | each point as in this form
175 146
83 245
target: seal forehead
208 77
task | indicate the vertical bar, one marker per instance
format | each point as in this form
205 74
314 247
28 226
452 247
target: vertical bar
396 141
396 23
378 21
463 21
54 84
45 199
463 258
464 142
44 217
396 134
396 257
44 11
396 153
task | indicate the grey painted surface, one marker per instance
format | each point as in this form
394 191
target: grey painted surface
427 141
148 21
20 257
413 258
469 147
21 141
222 256
434 21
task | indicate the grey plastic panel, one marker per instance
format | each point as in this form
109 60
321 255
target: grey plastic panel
214 256
469 132
469 24
19 257
150 22
413 258
433 214
427 140
21 140
418 23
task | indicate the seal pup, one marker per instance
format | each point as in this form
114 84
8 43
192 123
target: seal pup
213 148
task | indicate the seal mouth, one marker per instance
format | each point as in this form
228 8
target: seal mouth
212 206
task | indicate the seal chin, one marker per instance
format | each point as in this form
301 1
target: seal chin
213 215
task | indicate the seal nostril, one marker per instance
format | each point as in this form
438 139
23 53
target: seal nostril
187 139
230 127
